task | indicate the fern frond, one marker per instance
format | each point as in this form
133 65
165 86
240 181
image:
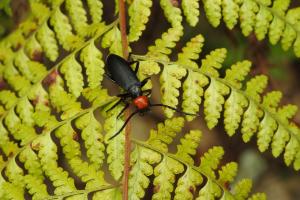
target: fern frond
63 101
78 16
63 30
93 139
191 11
170 82
115 147
48 157
165 173
48 42
213 62
95 8
213 102
230 12
71 149
213 11
7 98
112 40
92 59
142 159
188 146
172 13
71 70
191 52
139 12
258 196
165 133
210 160
242 189
162 46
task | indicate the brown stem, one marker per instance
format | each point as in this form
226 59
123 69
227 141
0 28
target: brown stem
122 18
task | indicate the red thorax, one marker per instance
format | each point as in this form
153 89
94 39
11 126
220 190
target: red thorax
141 102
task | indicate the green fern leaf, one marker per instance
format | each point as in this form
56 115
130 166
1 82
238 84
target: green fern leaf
242 189
263 19
227 173
172 13
115 194
290 36
78 17
12 192
95 8
139 12
253 114
214 99
25 111
112 40
193 92
92 59
63 30
7 98
187 184
213 11
188 145
278 25
191 52
48 155
213 61
62 101
248 12
292 148
230 12
191 11
258 196
36 187
234 108
279 140
95 96
165 133
71 70
268 125
33 71
115 146
93 139
48 42
162 46
237 73
139 180
170 83
33 48
8 147
165 173
210 161
209 191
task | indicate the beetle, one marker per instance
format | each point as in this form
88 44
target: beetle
120 72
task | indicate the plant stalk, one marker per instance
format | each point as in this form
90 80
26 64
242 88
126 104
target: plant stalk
122 18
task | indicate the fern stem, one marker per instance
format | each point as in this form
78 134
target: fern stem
122 18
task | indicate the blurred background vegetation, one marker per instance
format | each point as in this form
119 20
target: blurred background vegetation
270 175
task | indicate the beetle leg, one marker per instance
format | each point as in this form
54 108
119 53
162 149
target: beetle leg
125 107
147 92
136 67
115 105
144 81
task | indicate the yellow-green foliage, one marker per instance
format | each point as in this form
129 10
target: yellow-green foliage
55 119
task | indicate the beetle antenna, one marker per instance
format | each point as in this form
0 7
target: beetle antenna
172 108
125 123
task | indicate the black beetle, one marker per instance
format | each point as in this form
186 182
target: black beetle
121 73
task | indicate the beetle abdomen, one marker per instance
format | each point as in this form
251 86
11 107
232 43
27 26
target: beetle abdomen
121 72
